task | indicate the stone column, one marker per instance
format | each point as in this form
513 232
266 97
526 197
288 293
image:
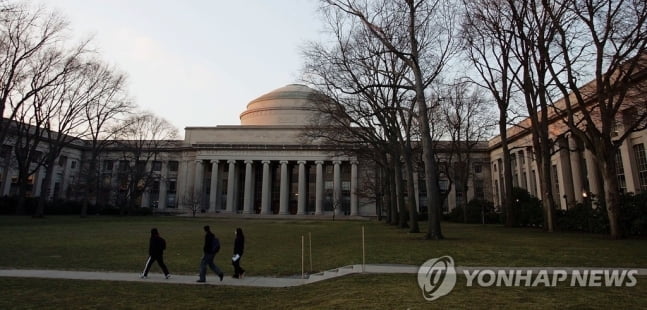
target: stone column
230 185
213 189
337 186
353 188
301 206
265 194
197 183
247 199
532 188
6 182
161 201
285 190
575 158
567 175
628 161
593 174
145 203
319 188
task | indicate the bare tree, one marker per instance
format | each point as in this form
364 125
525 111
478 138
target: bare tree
59 109
30 58
604 41
468 121
142 138
489 42
107 102
363 102
420 33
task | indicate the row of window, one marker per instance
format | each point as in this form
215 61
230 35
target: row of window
123 165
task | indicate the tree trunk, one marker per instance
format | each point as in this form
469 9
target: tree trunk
90 185
611 194
411 192
510 216
45 190
402 207
22 194
548 200
434 231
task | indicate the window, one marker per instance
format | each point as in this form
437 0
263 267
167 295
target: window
73 165
479 189
123 165
157 165
478 168
62 160
641 162
172 166
107 165
620 172
6 152
36 156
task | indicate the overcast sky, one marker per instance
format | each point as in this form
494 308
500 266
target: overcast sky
197 62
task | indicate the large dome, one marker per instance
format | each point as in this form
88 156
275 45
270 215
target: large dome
293 104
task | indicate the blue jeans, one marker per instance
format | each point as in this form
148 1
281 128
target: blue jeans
207 260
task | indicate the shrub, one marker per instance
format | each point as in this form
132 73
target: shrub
478 210
527 208
632 215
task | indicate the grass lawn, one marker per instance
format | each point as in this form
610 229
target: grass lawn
273 248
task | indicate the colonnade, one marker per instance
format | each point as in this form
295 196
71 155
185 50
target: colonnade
232 190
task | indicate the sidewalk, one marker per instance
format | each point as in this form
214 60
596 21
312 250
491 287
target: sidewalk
212 279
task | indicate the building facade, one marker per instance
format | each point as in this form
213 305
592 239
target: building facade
262 166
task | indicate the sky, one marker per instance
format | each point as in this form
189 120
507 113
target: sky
197 62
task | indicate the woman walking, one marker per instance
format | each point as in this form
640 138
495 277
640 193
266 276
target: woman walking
239 247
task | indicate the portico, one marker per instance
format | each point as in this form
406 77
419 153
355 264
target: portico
279 185
266 166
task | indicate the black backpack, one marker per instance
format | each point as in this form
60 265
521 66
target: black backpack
215 245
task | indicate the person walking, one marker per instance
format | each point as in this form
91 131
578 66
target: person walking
210 248
239 247
156 247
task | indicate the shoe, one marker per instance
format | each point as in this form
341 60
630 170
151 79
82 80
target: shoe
235 276
222 275
142 276
168 276
201 281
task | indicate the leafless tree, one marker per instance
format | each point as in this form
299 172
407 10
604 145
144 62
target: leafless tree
142 138
420 34
468 122
31 58
59 109
489 40
363 103
604 41
107 104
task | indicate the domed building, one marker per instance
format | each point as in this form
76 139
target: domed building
289 105
264 165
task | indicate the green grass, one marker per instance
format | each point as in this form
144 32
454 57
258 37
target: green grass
350 292
273 248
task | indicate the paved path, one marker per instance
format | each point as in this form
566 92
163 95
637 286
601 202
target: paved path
212 279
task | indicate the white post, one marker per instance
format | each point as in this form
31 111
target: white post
302 258
363 251
310 241
285 190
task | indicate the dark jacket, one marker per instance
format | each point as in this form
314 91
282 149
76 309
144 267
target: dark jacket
208 243
156 246
239 245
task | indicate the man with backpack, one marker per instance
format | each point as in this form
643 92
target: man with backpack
156 247
211 247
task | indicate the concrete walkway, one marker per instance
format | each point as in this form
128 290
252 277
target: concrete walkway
212 279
